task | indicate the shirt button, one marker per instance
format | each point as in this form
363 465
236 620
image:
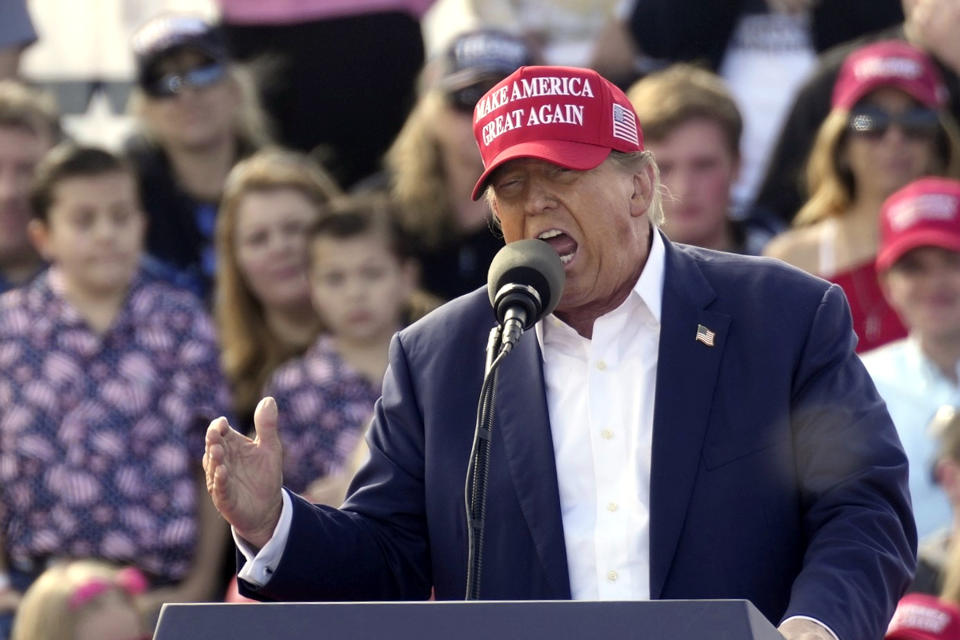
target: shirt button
612 506
601 365
606 434
612 576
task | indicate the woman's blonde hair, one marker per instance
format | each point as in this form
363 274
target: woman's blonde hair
831 184
251 125
417 177
46 610
250 350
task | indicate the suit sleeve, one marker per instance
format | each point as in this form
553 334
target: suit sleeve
375 546
852 471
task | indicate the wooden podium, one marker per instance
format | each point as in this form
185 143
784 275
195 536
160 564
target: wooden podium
482 620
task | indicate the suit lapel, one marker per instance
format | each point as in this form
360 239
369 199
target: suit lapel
523 423
686 377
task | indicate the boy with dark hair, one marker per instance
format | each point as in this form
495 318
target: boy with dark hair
107 380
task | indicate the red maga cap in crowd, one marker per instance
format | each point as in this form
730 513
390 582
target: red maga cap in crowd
924 617
924 213
891 63
565 115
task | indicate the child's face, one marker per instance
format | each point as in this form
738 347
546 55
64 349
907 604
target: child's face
923 286
359 286
94 232
110 618
271 246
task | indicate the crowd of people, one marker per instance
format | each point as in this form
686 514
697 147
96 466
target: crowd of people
283 209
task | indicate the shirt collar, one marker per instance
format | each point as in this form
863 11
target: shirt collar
648 287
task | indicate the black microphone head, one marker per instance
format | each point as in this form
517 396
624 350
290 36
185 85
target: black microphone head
527 263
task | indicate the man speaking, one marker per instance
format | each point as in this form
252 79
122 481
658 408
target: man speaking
686 424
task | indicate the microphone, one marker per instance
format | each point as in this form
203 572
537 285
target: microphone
524 283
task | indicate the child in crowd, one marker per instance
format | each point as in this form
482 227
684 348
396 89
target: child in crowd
262 304
933 551
108 379
82 600
363 278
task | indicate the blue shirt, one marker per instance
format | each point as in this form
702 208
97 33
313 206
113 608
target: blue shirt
914 388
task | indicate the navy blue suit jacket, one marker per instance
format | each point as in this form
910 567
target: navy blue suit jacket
777 475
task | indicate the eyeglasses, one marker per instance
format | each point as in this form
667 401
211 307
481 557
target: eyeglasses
873 122
466 98
170 84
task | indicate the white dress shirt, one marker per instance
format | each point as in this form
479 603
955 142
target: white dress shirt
600 396
913 388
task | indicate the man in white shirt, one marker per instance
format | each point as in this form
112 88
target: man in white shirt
687 424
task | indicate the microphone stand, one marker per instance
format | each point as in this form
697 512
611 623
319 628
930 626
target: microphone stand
475 490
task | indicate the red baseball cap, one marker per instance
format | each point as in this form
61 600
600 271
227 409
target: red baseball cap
924 617
924 213
890 63
569 116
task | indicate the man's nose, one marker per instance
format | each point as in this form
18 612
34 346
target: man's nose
538 197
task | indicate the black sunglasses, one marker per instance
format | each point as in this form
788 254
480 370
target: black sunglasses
170 84
466 98
871 121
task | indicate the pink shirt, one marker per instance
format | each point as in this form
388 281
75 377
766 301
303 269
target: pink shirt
292 11
325 407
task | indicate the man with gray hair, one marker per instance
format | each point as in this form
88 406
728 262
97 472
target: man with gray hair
686 424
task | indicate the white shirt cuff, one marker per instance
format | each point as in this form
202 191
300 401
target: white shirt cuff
261 564
814 620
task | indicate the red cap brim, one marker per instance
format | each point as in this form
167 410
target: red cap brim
895 250
570 155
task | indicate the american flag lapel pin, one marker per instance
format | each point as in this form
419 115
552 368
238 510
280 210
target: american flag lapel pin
705 335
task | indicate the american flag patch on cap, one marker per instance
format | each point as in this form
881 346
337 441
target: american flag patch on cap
624 124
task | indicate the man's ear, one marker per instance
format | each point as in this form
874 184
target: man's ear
643 185
39 234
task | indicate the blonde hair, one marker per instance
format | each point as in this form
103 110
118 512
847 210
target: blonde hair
250 350
45 611
832 186
667 99
22 107
251 125
417 177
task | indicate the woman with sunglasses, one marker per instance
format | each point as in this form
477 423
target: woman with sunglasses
887 127
198 115
433 163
